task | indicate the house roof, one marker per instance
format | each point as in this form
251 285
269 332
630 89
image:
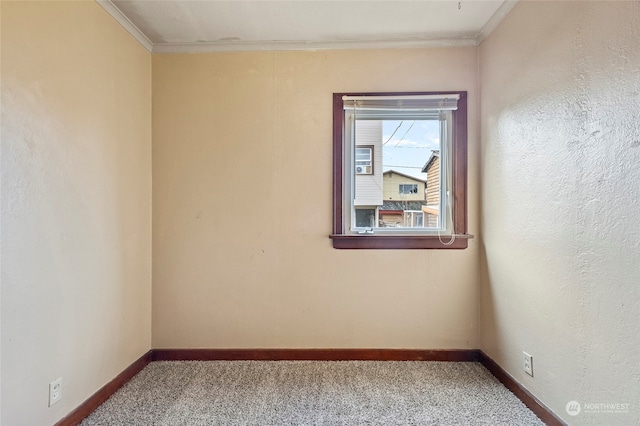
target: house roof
402 205
405 175
434 154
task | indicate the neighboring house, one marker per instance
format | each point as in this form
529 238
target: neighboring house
404 197
432 209
368 172
398 186
368 163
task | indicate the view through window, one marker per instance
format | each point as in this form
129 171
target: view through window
396 176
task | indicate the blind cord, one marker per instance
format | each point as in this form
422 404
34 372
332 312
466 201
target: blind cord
445 160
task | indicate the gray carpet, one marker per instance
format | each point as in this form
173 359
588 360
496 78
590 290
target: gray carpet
313 393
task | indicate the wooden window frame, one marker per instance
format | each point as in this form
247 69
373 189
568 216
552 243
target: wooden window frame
341 240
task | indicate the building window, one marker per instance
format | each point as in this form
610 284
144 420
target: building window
364 160
413 142
406 188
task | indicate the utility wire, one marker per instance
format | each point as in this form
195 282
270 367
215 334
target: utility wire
405 134
394 132
404 167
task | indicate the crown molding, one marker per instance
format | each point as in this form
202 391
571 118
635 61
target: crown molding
246 46
436 41
495 20
126 23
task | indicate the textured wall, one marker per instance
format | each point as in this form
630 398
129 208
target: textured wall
76 205
236 271
560 88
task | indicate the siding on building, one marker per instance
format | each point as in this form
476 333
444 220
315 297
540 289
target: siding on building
368 188
433 182
432 169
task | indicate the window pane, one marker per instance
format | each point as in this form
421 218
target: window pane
404 184
365 218
363 154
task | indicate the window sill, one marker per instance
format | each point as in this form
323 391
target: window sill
395 242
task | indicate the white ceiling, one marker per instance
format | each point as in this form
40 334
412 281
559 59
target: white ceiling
214 25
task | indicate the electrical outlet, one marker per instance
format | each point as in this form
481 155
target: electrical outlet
528 364
55 391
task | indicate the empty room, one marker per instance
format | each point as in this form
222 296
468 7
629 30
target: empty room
320 212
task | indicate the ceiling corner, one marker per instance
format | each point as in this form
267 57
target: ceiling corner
126 23
495 20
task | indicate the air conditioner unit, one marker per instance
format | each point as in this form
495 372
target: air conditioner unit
363 170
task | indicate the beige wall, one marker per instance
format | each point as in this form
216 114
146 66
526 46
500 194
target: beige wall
76 205
561 146
266 275
561 194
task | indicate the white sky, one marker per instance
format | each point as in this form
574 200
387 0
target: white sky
410 147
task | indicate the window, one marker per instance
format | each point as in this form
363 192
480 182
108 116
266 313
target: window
365 217
408 188
400 175
364 160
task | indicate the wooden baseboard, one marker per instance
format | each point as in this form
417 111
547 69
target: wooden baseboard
538 408
315 355
450 355
95 400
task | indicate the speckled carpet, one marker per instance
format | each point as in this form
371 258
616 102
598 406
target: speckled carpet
313 393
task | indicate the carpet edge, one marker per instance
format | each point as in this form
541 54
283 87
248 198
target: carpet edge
202 354
83 411
534 404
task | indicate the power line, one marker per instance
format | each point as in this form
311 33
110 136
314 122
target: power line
394 132
405 134
404 167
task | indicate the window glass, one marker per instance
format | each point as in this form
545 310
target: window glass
407 188
365 218
397 180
